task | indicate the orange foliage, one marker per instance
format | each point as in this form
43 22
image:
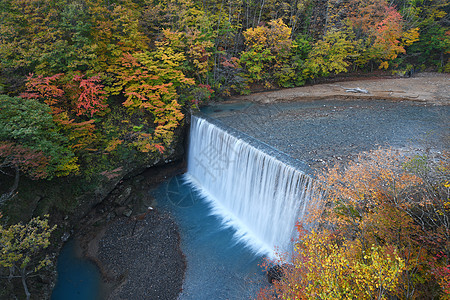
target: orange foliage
151 82
68 99
365 14
389 235
367 182
32 162
89 97
382 25
75 94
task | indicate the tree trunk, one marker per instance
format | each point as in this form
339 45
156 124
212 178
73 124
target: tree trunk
10 193
11 273
260 12
24 283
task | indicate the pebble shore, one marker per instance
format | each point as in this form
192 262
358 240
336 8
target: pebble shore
142 258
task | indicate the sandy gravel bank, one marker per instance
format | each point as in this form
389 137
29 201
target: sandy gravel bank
426 87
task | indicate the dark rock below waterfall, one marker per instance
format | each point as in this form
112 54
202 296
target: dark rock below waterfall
277 272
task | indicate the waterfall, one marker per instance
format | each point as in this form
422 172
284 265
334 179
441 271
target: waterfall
252 187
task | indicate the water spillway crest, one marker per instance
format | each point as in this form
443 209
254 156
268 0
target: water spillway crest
255 189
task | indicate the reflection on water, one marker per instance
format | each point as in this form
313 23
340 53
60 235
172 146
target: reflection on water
217 266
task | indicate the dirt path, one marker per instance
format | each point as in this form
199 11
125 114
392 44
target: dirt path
433 88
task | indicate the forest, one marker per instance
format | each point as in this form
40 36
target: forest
118 76
88 84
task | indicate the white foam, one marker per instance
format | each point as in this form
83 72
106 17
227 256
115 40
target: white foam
258 195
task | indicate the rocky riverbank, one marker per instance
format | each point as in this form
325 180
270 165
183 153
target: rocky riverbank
324 124
137 249
140 258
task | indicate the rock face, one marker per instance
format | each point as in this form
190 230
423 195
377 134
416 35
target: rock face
74 213
129 169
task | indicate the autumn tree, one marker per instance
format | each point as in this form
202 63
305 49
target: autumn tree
30 141
21 247
330 55
376 200
73 100
268 58
195 33
73 94
28 36
153 82
384 215
76 48
381 32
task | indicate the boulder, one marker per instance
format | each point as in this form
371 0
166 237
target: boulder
277 272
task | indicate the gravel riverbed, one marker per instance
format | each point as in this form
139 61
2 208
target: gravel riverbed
143 257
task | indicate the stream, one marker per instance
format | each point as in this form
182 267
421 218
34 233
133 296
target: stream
78 278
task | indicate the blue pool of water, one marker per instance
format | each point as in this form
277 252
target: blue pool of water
77 278
218 267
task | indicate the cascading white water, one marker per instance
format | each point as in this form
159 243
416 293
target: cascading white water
257 194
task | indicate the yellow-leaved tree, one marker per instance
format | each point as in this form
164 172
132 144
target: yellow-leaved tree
267 58
21 248
330 55
152 82
325 266
382 231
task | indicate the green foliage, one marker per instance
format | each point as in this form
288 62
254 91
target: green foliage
28 123
301 47
21 247
433 47
431 17
19 243
271 55
330 55
75 50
